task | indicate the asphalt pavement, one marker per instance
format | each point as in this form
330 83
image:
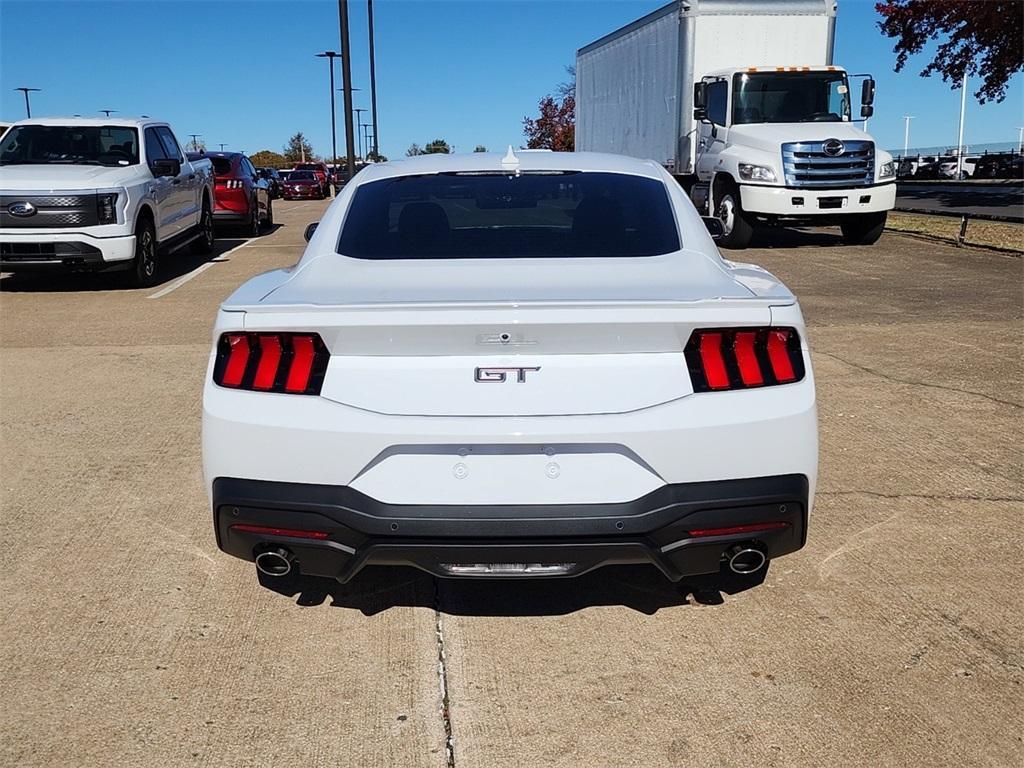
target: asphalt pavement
894 638
1000 201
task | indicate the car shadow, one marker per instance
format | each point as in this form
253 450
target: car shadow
791 237
640 588
171 266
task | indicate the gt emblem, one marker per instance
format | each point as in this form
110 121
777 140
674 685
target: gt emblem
833 147
500 375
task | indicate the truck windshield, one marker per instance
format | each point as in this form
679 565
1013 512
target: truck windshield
473 215
70 145
790 97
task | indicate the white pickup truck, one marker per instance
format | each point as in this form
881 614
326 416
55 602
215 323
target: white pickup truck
100 194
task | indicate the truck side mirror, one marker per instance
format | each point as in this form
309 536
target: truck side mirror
867 93
700 101
714 225
166 167
867 111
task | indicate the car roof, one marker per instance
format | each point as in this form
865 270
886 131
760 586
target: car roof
524 160
101 122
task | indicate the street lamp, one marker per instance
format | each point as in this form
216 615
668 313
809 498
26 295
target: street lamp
366 141
906 133
359 128
28 108
346 83
331 56
195 141
373 80
107 111
221 145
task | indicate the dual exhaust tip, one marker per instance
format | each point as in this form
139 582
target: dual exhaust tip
275 562
745 559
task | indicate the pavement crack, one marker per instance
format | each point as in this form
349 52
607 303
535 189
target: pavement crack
442 677
929 496
915 382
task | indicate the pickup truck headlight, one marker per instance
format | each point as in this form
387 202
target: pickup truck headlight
887 170
106 208
756 173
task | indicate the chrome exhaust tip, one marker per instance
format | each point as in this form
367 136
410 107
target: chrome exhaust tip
275 562
745 559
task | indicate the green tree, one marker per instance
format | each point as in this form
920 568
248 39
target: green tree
480 148
267 158
413 150
298 149
985 38
437 147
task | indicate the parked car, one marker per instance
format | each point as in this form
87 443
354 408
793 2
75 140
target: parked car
242 196
274 180
928 167
101 194
948 168
302 185
999 166
540 366
320 169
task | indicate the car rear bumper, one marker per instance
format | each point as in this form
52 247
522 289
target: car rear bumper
673 528
802 202
65 251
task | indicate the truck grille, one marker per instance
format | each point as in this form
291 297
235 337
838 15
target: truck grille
845 164
52 211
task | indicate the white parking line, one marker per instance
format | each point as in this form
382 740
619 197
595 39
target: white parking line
197 271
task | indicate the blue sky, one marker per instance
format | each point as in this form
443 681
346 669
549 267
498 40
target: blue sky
243 72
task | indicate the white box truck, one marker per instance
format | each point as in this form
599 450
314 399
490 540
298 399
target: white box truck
740 100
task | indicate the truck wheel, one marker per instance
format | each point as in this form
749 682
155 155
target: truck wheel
864 228
204 243
737 227
143 270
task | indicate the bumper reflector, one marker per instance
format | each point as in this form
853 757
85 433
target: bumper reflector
266 530
736 529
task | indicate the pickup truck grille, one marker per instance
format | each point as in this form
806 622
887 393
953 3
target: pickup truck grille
52 211
808 164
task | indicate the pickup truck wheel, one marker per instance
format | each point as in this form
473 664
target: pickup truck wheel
204 243
143 270
737 227
864 228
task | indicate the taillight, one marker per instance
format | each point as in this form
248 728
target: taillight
743 358
230 183
271 362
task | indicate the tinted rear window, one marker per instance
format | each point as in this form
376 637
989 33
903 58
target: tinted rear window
301 176
466 216
221 166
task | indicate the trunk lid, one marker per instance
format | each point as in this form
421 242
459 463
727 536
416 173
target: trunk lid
507 337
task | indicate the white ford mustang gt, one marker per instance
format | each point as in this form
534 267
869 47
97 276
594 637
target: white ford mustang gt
510 366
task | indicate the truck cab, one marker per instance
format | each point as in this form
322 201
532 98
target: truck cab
100 194
778 145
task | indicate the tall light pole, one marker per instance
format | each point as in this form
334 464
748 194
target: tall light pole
366 140
346 83
359 128
28 107
331 56
960 137
373 81
1020 140
195 141
107 111
906 133
221 145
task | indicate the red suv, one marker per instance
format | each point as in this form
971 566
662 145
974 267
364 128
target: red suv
320 169
241 196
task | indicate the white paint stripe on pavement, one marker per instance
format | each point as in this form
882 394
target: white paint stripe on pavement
195 272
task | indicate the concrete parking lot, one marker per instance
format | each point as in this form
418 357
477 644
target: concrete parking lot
896 637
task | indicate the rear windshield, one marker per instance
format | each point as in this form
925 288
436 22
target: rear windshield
221 166
534 215
301 176
308 167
